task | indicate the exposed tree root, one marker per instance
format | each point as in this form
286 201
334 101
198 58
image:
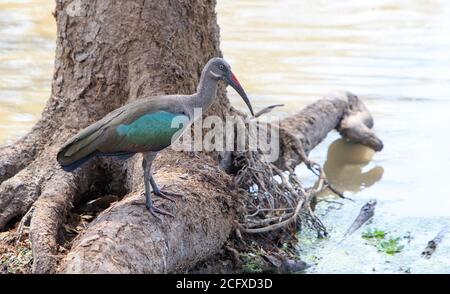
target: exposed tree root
48 192
96 71
17 156
276 204
19 192
23 222
50 212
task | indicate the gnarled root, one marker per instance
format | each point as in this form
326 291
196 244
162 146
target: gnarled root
50 211
19 192
276 203
50 192
18 155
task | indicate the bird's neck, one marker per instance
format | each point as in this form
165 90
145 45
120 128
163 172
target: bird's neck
206 92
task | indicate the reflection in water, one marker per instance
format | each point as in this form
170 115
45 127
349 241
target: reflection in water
345 165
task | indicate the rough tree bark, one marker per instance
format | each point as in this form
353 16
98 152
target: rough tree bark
109 53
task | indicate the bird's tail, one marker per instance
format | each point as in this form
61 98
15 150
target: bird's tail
81 149
69 167
84 145
72 154
77 163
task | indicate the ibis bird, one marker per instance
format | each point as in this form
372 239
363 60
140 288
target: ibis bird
145 126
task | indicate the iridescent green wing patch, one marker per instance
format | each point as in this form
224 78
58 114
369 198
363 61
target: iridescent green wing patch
155 129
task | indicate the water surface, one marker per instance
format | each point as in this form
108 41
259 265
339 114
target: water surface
27 50
396 56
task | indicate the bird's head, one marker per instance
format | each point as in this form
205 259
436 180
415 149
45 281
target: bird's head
219 69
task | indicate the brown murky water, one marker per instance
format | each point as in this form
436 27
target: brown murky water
27 44
395 54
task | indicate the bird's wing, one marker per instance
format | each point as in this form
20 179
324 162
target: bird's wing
76 147
151 131
113 132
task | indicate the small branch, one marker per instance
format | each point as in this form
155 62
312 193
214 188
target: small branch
267 221
25 219
267 110
432 245
268 210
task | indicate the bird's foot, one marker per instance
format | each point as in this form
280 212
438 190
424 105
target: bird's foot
154 210
168 195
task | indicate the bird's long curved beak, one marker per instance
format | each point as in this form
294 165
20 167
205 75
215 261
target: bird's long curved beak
233 81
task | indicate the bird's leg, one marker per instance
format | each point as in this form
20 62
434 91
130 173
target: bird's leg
150 156
161 192
147 165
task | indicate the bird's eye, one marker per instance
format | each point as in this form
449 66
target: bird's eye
221 67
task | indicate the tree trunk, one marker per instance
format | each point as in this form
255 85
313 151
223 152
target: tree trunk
109 53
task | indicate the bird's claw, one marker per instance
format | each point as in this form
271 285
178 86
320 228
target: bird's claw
155 210
168 195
